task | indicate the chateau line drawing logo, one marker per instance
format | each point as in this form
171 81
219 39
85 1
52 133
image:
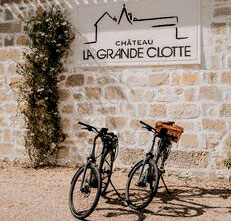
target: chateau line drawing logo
133 20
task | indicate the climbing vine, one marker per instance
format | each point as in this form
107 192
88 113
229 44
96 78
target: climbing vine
50 36
227 160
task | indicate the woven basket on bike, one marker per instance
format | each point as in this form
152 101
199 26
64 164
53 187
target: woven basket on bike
171 129
110 142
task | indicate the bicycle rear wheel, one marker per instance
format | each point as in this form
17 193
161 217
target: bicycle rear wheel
105 169
140 193
82 201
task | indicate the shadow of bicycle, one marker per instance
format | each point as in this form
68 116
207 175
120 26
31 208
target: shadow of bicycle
183 201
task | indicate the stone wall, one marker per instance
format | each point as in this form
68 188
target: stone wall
197 97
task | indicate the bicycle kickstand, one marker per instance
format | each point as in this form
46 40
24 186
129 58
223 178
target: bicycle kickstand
115 189
164 184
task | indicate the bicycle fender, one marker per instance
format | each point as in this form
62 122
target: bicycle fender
133 168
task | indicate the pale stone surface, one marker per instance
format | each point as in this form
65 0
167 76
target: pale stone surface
188 160
63 94
116 122
186 125
183 111
64 152
105 80
130 137
175 79
90 80
107 110
114 93
10 108
145 138
130 156
85 108
135 124
189 141
213 140
1 69
226 77
93 93
77 96
22 40
6 148
213 125
136 80
75 80
190 78
149 95
142 109
222 11
136 94
67 109
197 97
178 91
157 110
225 110
7 135
189 94
211 78
210 93
219 28
9 55
158 79
65 123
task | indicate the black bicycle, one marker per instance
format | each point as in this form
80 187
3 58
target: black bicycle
93 178
143 179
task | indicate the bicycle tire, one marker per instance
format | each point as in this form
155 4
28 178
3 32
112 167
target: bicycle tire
105 169
152 184
88 188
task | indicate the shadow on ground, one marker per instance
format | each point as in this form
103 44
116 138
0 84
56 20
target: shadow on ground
181 202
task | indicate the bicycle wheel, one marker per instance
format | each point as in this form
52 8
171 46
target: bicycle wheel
82 201
105 169
140 194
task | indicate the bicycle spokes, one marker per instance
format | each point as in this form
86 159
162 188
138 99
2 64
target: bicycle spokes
85 191
142 185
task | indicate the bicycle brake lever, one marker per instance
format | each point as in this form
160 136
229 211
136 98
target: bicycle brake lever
148 128
87 128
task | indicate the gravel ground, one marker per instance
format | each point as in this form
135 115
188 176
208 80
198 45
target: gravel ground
42 194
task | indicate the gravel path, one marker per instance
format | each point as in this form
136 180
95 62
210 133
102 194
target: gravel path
34 195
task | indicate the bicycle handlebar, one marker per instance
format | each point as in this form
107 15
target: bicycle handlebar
103 130
148 127
88 127
152 129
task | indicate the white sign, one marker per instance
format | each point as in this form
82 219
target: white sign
154 32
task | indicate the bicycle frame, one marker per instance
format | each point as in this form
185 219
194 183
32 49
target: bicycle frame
149 155
91 159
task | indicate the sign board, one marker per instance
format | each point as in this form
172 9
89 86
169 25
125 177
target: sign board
154 32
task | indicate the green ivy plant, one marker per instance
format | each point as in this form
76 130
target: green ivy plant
227 161
50 36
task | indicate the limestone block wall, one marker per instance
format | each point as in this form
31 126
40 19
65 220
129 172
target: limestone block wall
197 97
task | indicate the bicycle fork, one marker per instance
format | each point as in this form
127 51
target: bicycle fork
142 182
82 188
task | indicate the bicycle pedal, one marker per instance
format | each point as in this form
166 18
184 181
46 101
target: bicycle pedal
162 170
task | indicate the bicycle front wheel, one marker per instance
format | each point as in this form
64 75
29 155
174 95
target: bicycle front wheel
142 185
85 191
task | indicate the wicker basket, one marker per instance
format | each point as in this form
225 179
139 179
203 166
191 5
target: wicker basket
171 129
